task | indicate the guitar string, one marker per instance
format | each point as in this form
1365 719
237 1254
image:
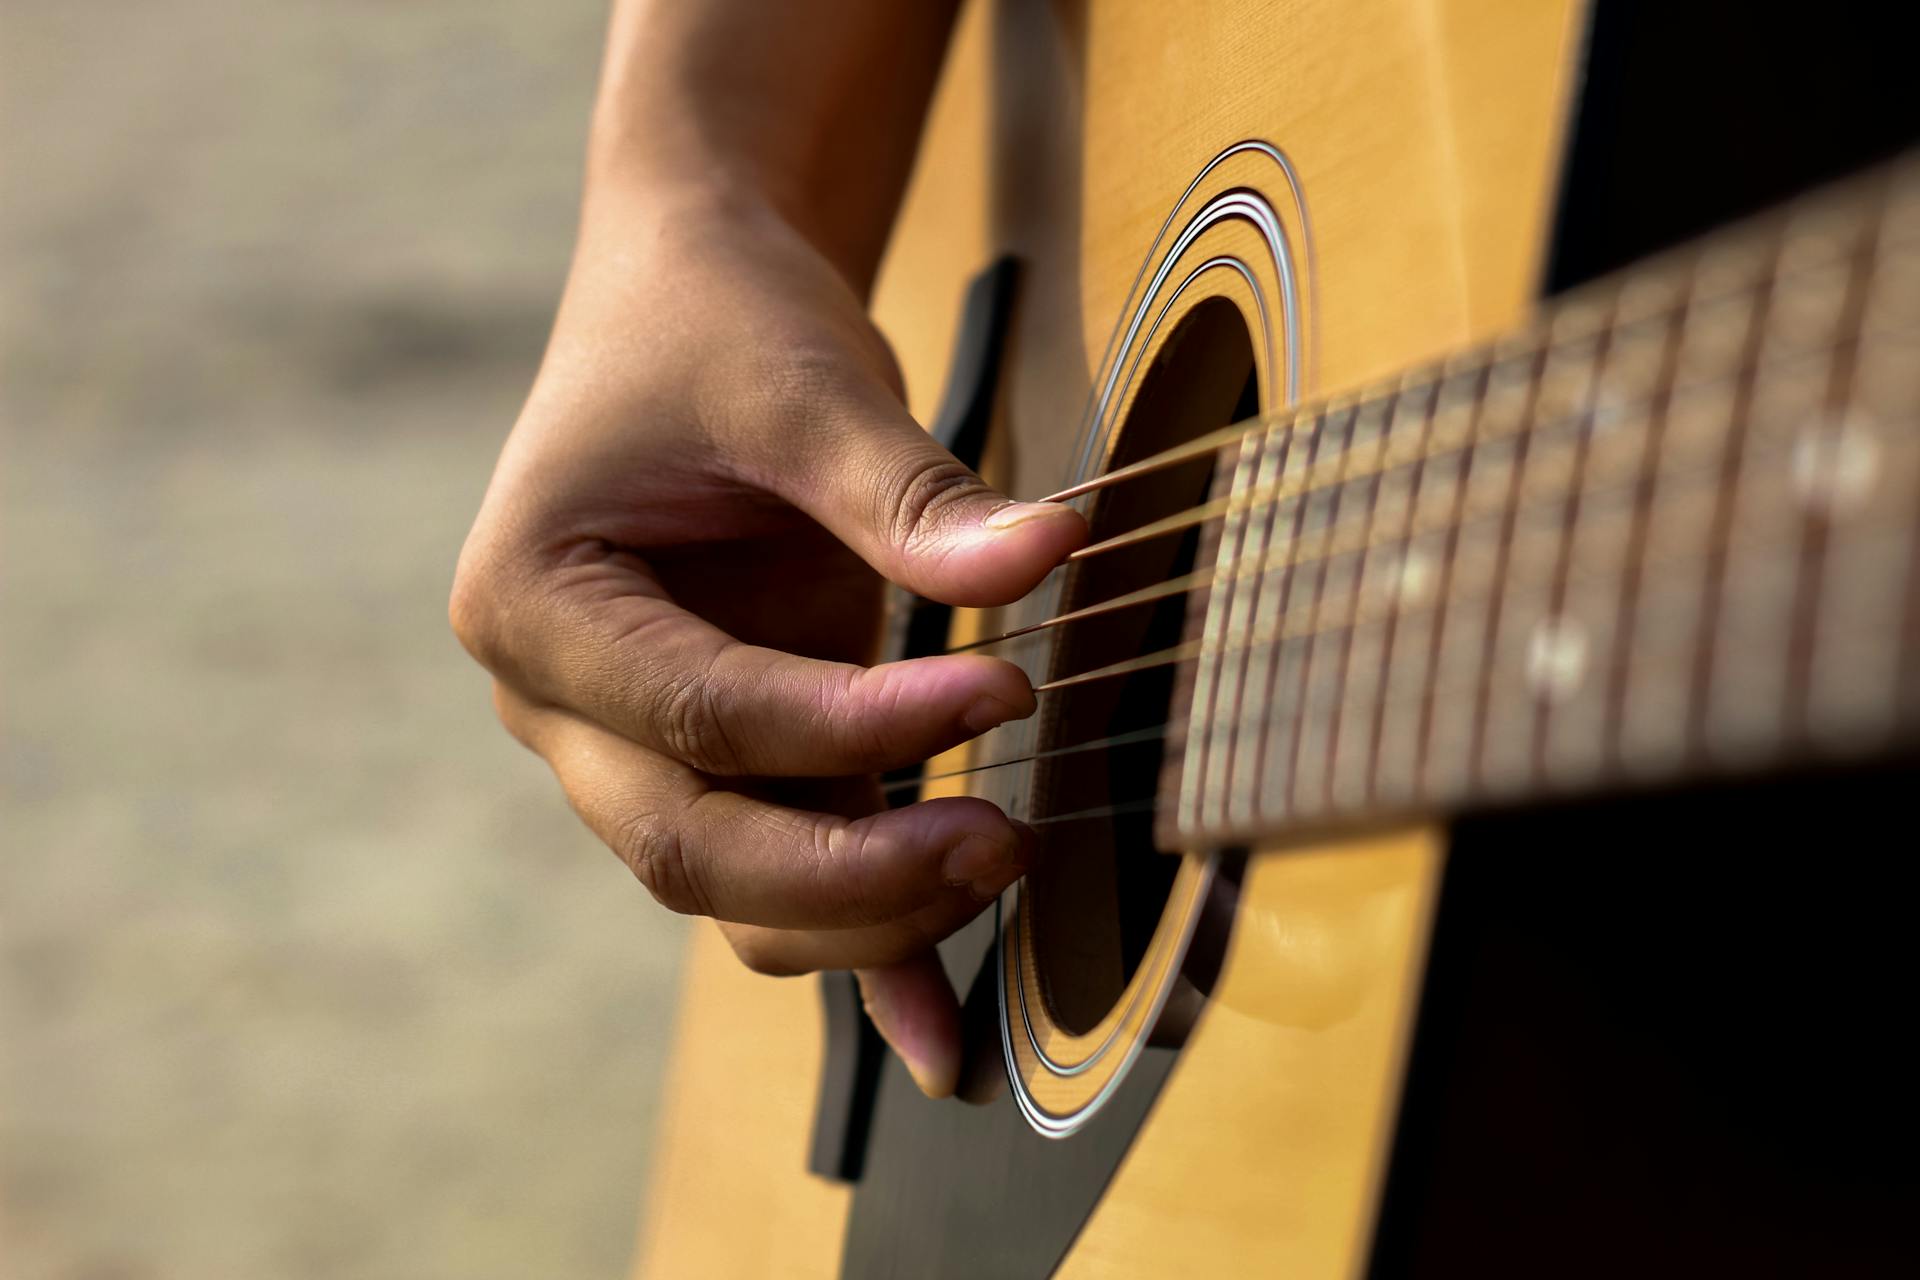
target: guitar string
1318 480
1356 535
1696 290
1522 347
1692 299
1696 478
1311 630
1103 811
1149 734
1339 471
1415 528
1321 477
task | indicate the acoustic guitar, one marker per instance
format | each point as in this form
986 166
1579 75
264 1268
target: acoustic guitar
1473 748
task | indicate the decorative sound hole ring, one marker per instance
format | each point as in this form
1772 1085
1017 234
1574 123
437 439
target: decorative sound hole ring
1225 240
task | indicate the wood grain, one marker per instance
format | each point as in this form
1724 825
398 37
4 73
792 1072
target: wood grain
730 1194
1269 1141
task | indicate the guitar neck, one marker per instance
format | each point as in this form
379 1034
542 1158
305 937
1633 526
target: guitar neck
1667 531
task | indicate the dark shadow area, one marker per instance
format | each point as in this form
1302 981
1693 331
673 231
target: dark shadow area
1670 1036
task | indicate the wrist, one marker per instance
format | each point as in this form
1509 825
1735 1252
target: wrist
631 214
639 197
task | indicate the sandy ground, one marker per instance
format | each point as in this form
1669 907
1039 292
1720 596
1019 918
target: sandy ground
304 968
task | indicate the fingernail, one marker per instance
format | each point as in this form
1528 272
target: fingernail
990 886
1020 512
976 857
987 888
988 711
923 1071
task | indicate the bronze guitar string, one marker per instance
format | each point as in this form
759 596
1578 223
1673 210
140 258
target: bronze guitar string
1479 365
1304 629
1525 346
1355 535
1526 354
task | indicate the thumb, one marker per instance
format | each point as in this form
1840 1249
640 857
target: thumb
918 515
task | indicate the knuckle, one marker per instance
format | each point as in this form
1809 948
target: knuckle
473 606
656 852
860 710
919 488
840 853
689 719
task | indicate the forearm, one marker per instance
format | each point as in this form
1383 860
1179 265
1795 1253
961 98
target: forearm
813 106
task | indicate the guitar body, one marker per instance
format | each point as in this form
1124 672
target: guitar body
1564 1038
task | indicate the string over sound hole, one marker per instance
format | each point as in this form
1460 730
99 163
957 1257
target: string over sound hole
1100 883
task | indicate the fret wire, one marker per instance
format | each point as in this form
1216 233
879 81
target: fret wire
1702 479
1461 622
1812 534
1416 724
1669 618
1307 418
1653 481
1394 568
1349 538
1276 753
1896 301
1224 738
1205 689
1707 646
1612 690
1747 682
1492 617
1659 562
1237 502
1190 653
1868 613
1241 607
1192 685
1216 785
1319 517
1557 628
1276 603
1318 734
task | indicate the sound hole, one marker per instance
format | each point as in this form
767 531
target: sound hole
1099 886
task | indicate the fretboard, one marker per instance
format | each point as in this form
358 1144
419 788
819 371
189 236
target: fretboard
1668 531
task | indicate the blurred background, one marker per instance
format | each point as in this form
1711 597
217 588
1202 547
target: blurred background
305 970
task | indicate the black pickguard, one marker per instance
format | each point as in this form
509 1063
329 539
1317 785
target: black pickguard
960 1190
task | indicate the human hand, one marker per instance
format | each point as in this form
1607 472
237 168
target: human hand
675 579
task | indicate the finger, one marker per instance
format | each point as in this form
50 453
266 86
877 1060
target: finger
785 952
603 639
913 1007
907 995
714 852
889 490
